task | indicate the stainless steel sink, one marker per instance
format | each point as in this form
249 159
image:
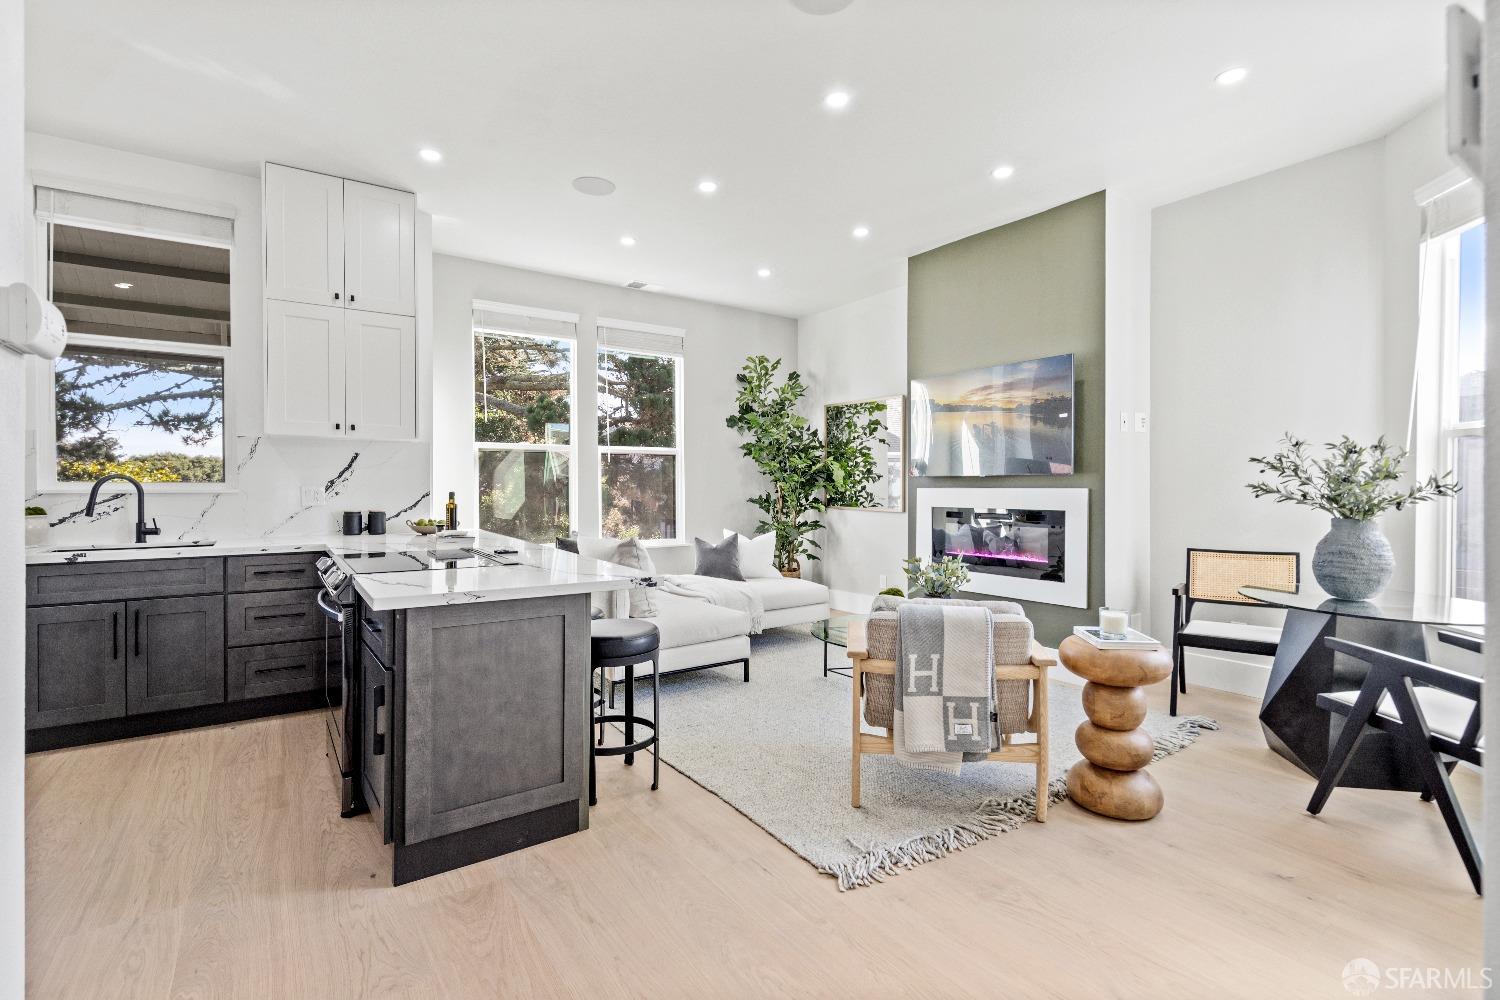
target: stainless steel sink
121 546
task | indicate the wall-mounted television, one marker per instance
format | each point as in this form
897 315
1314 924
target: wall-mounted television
1007 420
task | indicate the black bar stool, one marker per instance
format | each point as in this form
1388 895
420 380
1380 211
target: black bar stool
623 642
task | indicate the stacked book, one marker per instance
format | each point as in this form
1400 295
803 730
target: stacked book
1133 639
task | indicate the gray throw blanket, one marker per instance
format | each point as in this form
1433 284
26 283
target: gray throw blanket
945 685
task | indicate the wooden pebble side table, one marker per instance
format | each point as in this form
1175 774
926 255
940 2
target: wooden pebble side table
1110 780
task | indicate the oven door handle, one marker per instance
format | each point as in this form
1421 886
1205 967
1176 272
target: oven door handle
333 611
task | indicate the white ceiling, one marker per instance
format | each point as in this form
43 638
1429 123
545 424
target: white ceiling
523 95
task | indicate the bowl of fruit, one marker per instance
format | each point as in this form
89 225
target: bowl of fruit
426 526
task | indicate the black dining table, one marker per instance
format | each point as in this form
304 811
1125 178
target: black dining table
1304 667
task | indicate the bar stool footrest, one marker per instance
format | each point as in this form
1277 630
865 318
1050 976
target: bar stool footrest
635 747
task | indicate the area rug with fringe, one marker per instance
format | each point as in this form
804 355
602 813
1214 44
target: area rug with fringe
777 750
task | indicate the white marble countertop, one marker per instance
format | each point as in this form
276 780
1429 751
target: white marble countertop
543 570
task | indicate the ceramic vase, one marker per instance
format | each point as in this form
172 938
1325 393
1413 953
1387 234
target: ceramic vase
1354 561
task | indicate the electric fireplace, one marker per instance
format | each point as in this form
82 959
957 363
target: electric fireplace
1030 544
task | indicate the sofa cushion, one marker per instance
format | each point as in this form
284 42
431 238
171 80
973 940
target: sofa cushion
686 621
783 592
721 560
757 556
632 555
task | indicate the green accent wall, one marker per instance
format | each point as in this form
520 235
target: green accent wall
1026 290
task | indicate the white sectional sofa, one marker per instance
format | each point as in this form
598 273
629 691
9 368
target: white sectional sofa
696 634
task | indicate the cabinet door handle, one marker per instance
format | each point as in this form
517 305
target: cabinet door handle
351 296
137 631
378 747
114 634
373 626
271 618
351 427
338 427
277 572
335 296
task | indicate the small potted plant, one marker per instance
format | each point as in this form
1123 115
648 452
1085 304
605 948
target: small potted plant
1355 484
36 526
942 578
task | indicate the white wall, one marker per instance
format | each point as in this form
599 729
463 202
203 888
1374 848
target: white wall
12 574
264 495
718 339
1267 302
851 352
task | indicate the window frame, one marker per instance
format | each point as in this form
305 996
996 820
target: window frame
1441 430
571 448
678 451
44 398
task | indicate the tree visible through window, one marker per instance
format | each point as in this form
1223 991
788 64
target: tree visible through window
523 405
639 450
140 389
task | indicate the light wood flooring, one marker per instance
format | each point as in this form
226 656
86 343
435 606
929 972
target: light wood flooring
213 864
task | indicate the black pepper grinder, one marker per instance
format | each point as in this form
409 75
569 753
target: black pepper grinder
452 509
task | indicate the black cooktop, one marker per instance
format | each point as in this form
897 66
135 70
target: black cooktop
411 560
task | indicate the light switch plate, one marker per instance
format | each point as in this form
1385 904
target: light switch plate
1140 422
1124 421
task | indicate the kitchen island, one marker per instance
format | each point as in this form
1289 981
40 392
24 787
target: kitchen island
463 690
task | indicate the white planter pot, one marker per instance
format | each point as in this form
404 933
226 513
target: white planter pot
36 530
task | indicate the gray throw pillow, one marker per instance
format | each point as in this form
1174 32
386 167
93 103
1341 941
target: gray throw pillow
721 560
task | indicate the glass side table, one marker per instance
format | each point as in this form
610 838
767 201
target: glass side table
835 632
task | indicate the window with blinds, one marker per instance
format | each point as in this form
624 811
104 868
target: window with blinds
145 291
523 419
640 429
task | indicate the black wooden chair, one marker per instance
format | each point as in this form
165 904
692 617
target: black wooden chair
1435 711
1215 576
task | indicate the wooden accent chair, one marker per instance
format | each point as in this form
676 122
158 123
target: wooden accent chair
1435 711
866 672
1215 576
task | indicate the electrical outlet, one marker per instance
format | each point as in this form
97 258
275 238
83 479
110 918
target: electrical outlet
1140 422
1124 422
311 495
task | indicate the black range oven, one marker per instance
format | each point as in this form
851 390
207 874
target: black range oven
340 658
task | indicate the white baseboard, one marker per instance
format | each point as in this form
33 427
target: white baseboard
848 600
1226 672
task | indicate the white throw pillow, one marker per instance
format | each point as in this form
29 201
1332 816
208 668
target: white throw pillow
757 556
631 554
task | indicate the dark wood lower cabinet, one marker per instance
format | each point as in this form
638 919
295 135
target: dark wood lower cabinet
75 664
176 653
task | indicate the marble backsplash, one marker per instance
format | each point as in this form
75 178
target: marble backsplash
266 497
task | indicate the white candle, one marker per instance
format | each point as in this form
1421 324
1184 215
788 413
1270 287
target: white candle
1113 624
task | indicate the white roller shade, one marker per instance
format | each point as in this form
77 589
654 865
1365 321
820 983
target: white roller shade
656 340
96 211
1449 204
495 317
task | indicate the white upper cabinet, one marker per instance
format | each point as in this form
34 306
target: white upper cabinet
340 307
380 273
381 373
305 369
304 236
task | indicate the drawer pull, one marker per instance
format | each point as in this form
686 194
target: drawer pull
279 572
114 634
272 618
373 626
137 631
283 667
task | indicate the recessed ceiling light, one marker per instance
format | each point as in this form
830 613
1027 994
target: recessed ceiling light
430 155
836 100
1004 172
764 272
821 7
860 232
1232 76
124 284
707 186
597 186
627 241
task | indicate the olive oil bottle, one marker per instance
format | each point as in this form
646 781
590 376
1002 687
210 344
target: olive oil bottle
452 512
